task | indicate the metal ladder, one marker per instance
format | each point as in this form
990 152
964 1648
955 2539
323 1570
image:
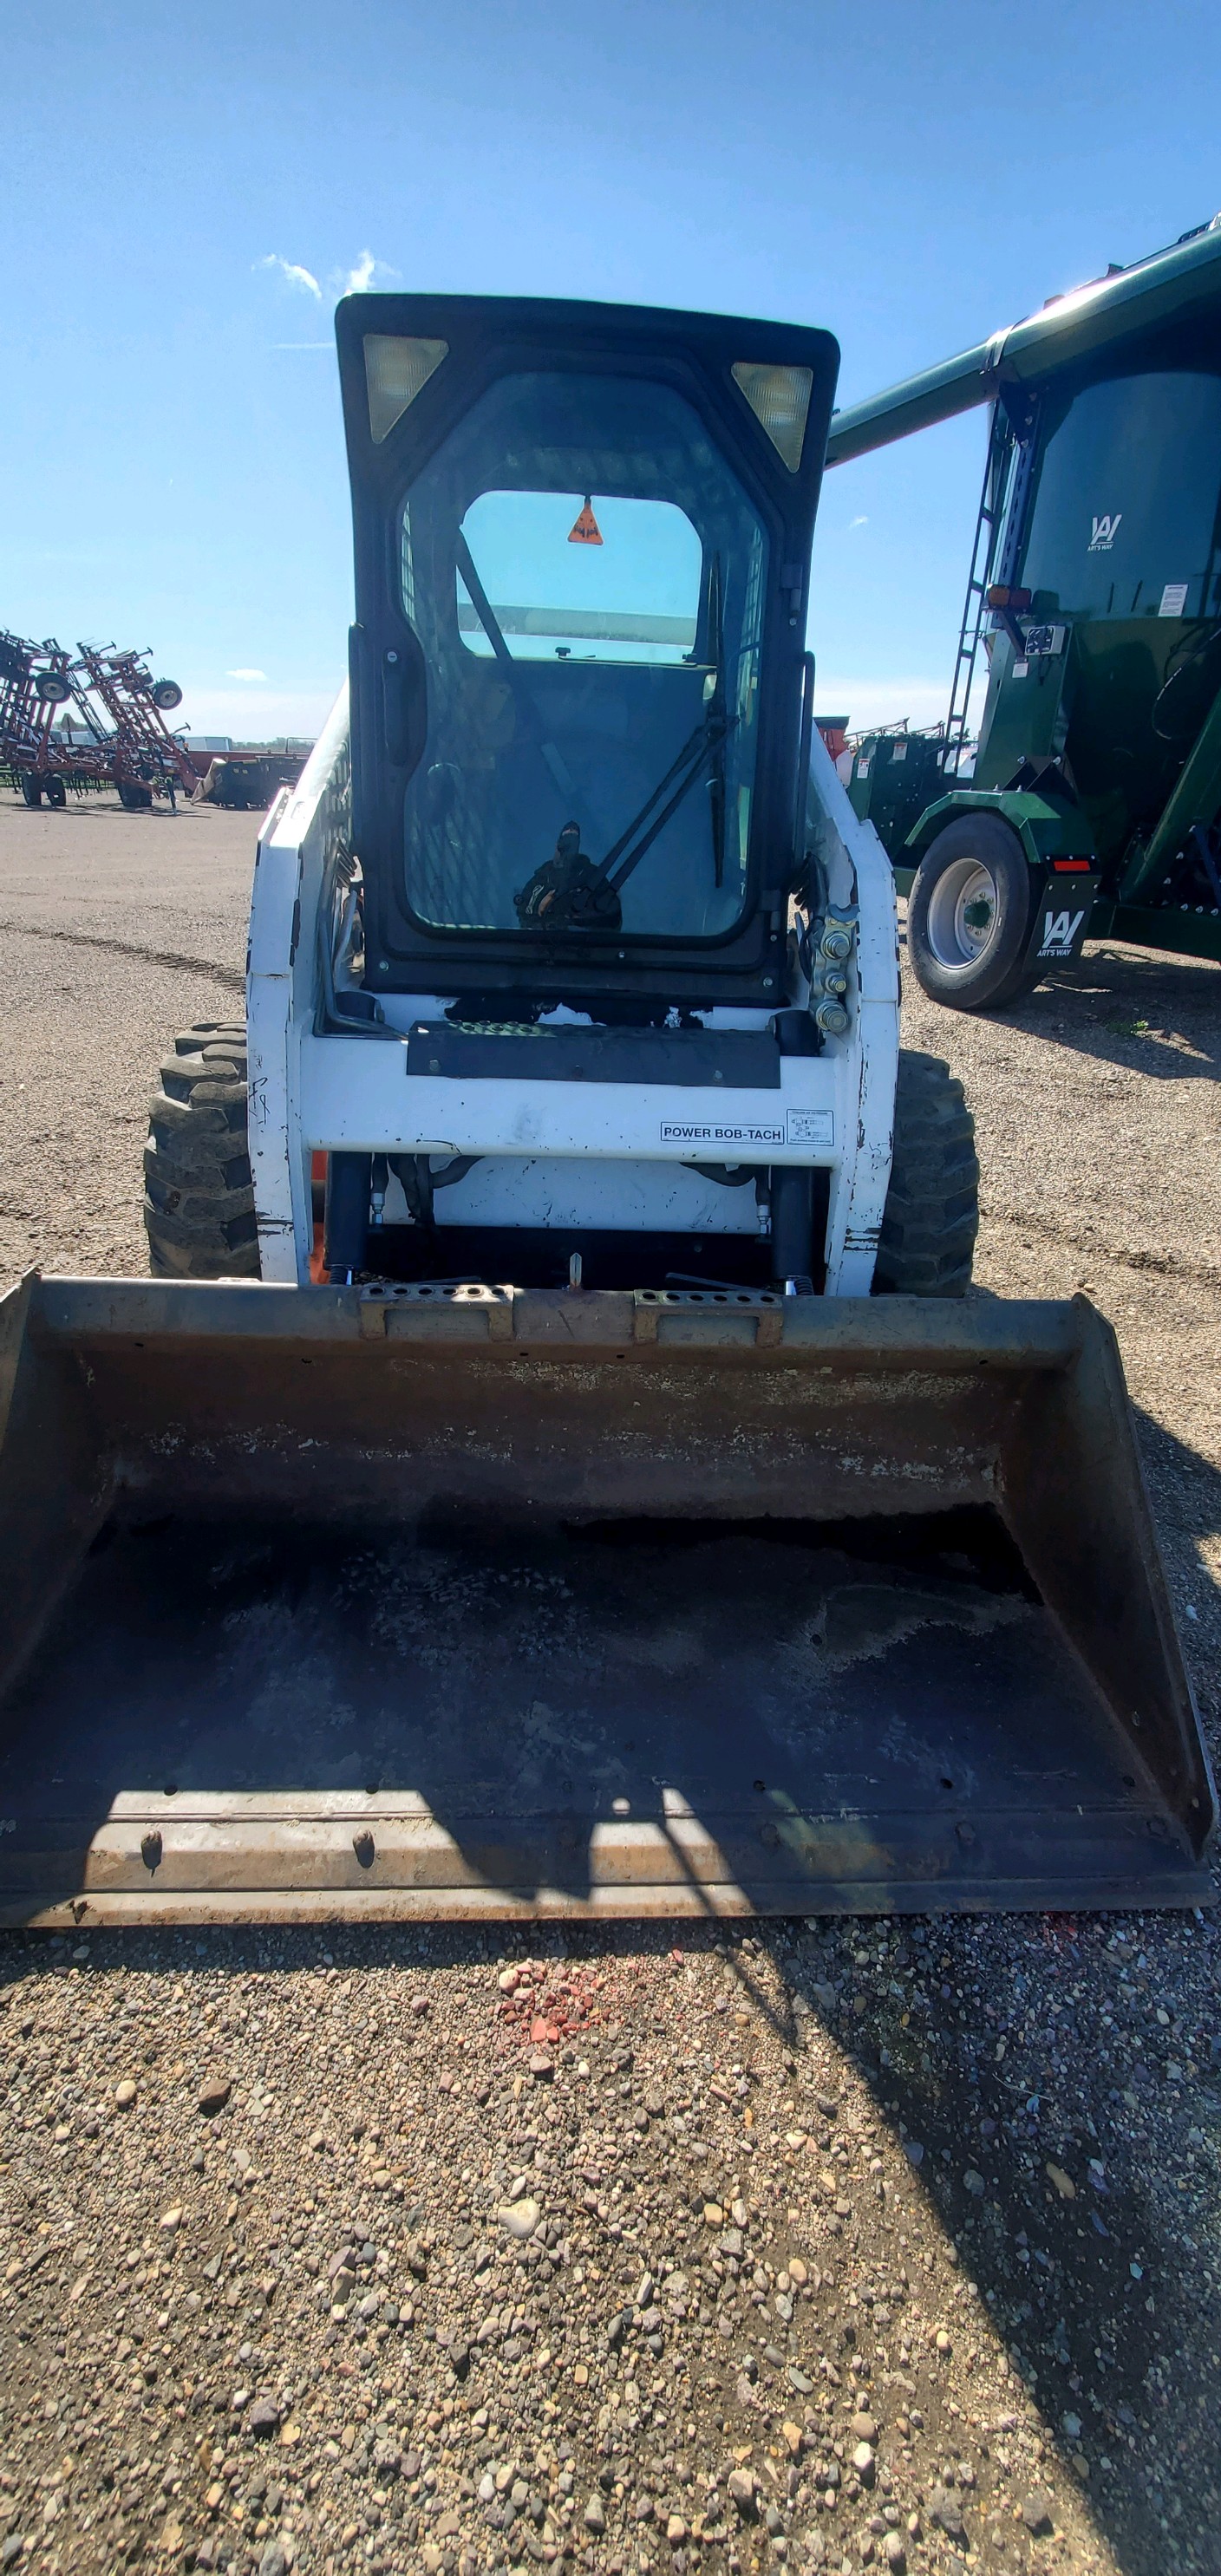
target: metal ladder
998 471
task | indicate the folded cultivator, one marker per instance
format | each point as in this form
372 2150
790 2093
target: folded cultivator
115 734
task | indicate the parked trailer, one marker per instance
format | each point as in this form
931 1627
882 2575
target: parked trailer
246 782
1094 806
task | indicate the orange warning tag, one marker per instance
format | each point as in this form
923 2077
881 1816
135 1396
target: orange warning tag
586 532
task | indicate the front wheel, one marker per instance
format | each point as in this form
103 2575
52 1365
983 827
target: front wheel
969 916
57 793
931 1218
198 1197
31 788
136 798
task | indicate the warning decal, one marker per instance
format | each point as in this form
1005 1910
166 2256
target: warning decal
811 1127
586 532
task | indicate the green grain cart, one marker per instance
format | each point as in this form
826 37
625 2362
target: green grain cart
1093 806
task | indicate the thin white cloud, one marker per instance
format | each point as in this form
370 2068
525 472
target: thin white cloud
292 273
367 273
246 675
862 522
280 344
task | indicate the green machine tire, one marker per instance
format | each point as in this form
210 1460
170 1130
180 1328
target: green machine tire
969 916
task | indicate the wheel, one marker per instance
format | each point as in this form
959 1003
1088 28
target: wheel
969 916
135 797
57 793
198 1199
931 1216
167 695
31 787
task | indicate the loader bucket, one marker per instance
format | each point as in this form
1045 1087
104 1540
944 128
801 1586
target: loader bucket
394 1603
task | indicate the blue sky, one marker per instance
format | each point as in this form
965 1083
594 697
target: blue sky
184 194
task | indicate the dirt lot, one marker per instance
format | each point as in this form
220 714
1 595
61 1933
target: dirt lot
890 2246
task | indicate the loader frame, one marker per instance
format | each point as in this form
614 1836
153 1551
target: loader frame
318 1090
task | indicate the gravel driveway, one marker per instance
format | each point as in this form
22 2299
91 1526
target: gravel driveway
833 2246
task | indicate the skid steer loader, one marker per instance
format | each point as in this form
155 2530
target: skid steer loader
613 1505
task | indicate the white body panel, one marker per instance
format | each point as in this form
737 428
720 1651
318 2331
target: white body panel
584 1190
556 1153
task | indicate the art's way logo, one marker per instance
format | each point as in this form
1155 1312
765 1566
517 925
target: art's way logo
1105 531
1059 931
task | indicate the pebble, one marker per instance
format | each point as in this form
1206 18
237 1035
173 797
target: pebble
946 2512
520 2217
125 2093
392 2307
213 2096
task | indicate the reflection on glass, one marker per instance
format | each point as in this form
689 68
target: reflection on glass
591 707
1126 501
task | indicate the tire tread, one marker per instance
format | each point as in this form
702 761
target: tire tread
198 1194
931 1217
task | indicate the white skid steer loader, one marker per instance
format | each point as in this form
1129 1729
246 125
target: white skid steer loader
612 1505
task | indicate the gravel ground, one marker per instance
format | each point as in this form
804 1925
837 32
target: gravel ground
834 2246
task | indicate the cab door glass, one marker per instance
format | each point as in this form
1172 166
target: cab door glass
586 579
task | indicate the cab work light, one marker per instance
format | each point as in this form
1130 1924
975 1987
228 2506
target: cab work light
780 400
395 371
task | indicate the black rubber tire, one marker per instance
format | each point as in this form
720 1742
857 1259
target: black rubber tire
931 1216
198 1199
57 793
999 973
166 695
31 788
136 798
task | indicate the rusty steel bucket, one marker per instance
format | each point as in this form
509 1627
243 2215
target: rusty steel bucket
495 1603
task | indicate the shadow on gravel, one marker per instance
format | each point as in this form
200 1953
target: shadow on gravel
1044 2149
1125 1008
1186 1488
1054 2181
